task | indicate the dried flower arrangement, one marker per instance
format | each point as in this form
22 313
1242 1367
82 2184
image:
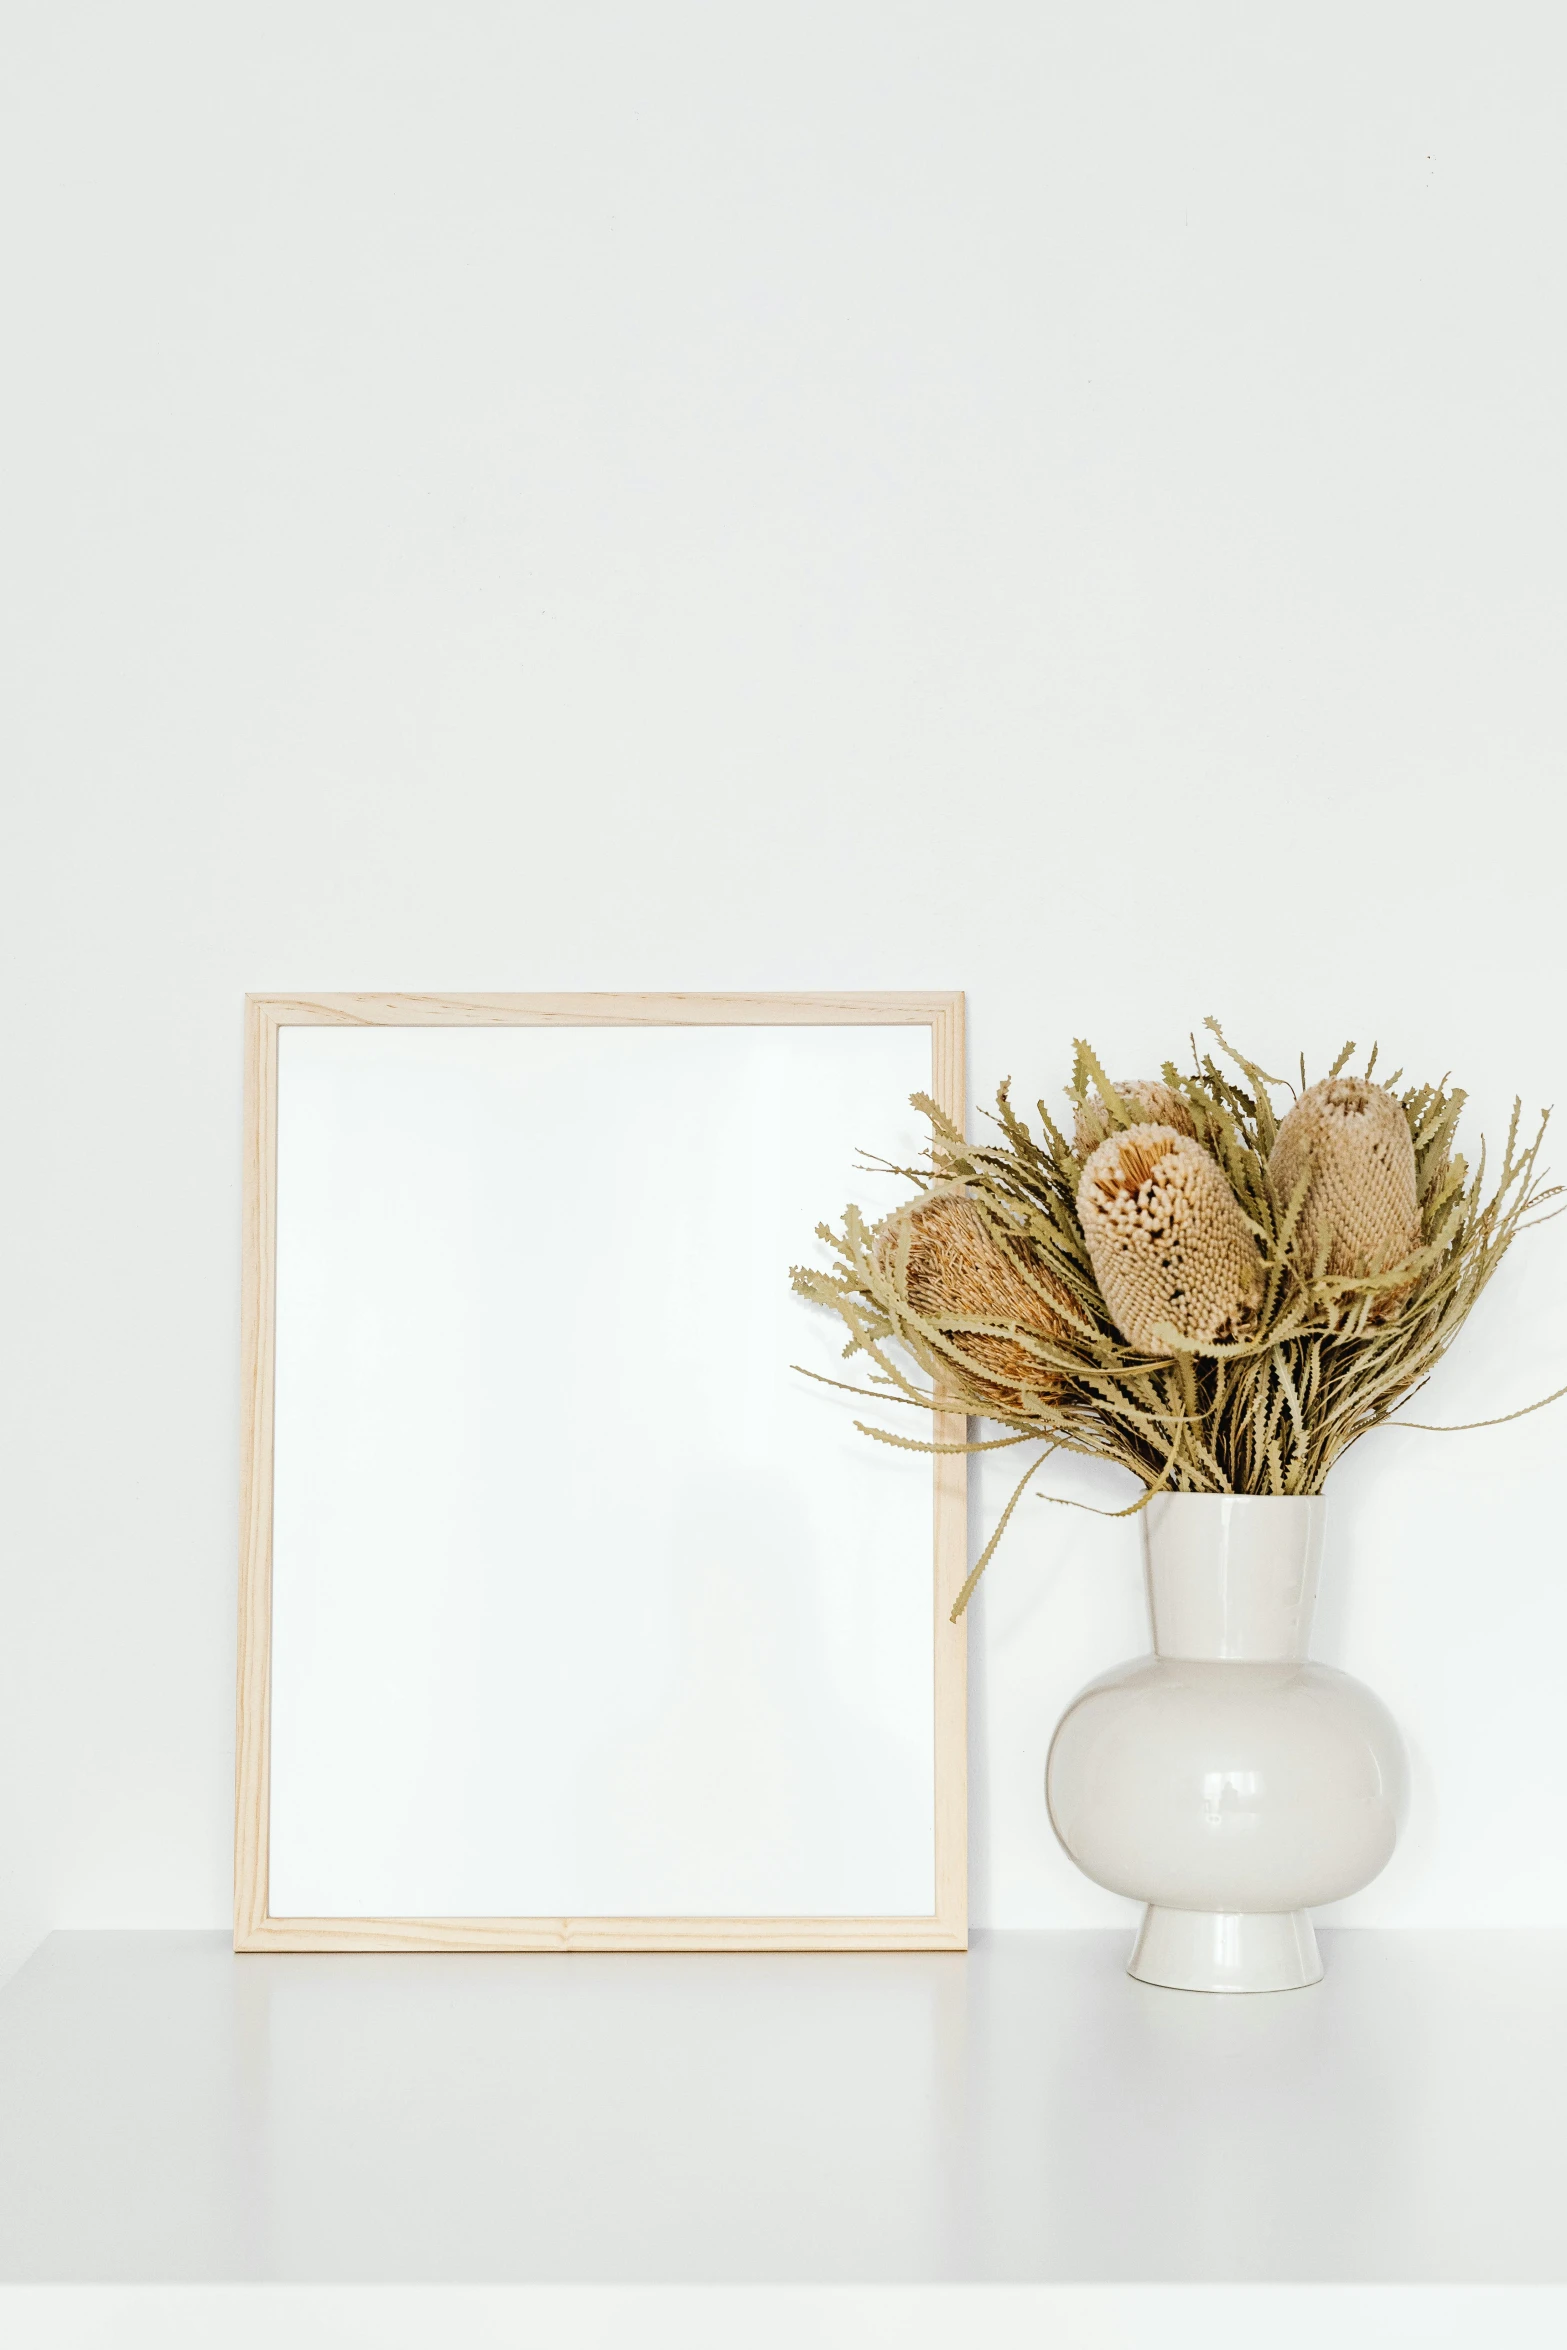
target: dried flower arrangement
1219 1298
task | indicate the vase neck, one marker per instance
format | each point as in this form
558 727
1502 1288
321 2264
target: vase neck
1233 1577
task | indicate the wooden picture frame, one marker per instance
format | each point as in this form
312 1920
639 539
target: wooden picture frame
255 1928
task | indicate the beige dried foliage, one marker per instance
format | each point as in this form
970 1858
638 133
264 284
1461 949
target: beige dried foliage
1271 1363
955 1272
1349 1141
1170 1248
1155 1103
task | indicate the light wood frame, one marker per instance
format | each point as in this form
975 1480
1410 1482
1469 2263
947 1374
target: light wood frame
254 1928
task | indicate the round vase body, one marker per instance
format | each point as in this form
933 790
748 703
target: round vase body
1226 1781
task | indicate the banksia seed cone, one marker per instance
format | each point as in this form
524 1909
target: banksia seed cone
1360 1194
956 1270
1159 1105
1167 1240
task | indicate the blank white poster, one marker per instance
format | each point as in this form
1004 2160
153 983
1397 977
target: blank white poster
584 1602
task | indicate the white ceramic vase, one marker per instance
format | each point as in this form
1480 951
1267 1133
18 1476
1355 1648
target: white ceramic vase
1225 1780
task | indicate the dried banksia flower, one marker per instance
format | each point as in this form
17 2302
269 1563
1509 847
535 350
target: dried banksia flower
957 1271
1360 1193
1167 1240
1158 1102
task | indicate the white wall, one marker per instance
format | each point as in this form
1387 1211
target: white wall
1066 502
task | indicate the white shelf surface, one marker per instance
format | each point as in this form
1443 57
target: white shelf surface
173 2115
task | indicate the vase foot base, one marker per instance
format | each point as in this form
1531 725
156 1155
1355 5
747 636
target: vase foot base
1208 1950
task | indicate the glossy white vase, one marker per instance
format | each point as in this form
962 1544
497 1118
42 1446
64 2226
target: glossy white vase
1225 1780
